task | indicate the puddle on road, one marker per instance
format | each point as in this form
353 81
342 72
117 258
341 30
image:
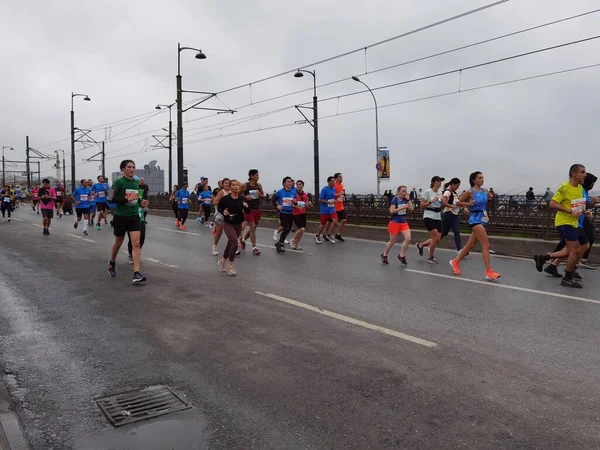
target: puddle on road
179 431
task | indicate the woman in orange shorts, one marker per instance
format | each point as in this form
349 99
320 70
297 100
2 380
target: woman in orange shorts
398 225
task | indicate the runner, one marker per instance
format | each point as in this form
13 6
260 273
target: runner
8 196
477 198
205 198
174 205
60 196
398 224
93 209
146 190
452 206
588 224
142 228
340 211
218 216
286 198
183 204
300 209
233 207
81 197
35 198
253 192
569 202
47 195
431 203
125 194
100 190
327 212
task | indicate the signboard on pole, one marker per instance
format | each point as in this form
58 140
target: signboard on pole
383 164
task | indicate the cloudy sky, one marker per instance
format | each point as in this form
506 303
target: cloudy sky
124 56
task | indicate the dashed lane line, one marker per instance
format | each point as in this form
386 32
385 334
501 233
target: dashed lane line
351 320
155 261
82 238
505 286
179 231
18 220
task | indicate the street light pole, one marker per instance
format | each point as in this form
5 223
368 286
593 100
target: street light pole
376 130
315 126
87 99
199 55
3 167
170 185
63 166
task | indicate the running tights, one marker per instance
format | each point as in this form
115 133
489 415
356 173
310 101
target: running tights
142 239
6 207
175 210
183 213
286 221
233 233
206 210
451 221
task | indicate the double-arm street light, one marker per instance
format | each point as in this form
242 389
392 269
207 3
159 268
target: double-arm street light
3 168
314 124
376 129
199 55
87 99
170 185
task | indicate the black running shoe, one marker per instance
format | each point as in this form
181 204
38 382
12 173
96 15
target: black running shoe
402 259
420 249
112 270
384 259
552 270
539 262
76 224
340 238
570 283
138 278
576 275
280 247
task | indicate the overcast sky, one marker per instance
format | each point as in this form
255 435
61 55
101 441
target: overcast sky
124 56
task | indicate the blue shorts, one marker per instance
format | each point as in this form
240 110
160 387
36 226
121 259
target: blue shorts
568 233
93 208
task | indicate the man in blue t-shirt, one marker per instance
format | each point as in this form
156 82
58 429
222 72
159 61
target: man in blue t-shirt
183 204
327 212
286 199
81 198
100 190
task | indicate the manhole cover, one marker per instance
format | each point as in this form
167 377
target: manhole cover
141 404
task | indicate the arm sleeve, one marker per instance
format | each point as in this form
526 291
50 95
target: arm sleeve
115 196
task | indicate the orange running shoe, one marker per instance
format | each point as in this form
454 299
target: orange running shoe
455 266
177 224
182 227
491 275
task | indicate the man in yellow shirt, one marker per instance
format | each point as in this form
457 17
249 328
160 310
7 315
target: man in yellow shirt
569 203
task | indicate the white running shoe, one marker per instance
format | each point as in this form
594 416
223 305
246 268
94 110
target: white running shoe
215 252
275 236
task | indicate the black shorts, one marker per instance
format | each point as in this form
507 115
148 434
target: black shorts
35 202
300 221
58 202
341 215
581 237
82 212
101 206
125 224
49 213
432 224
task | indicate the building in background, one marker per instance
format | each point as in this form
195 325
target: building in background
153 175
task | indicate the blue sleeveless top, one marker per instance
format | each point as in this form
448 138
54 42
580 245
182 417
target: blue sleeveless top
479 210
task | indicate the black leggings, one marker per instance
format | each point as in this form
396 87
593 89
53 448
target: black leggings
286 221
206 211
6 207
175 209
142 239
451 221
233 233
183 213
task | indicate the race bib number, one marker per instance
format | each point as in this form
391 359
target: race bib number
287 201
83 198
578 204
131 195
331 202
208 201
101 194
184 200
340 198
6 200
254 194
59 194
301 204
485 218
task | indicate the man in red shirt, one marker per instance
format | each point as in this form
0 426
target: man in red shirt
340 211
60 196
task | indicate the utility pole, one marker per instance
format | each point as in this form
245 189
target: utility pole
102 155
27 162
103 162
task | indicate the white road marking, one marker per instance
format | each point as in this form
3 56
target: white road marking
350 320
173 266
151 260
179 231
156 261
37 225
505 286
18 220
288 248
82 238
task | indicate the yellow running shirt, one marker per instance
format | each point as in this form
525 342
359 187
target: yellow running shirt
572 198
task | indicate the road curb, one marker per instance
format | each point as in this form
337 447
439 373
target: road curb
11 435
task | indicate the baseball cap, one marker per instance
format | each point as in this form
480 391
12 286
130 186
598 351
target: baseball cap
437 178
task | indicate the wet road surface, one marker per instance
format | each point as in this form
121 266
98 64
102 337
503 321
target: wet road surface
324 348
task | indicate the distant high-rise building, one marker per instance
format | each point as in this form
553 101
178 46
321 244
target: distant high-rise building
153 175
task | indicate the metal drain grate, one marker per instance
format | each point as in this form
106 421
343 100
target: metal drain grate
141 404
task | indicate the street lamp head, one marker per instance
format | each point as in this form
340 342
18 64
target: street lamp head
86 98
158 107
355 78
200 55
298 74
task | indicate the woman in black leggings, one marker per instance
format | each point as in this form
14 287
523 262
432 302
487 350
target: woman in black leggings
174 205
6 201
233 208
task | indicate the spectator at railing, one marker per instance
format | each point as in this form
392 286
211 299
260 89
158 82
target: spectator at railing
530 196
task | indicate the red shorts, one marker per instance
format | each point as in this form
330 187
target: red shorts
327 218
254 216
397 228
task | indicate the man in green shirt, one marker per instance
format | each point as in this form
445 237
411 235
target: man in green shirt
125 193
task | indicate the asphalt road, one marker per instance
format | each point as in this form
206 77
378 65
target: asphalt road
324 348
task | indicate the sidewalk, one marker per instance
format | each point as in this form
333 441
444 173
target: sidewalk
11 435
